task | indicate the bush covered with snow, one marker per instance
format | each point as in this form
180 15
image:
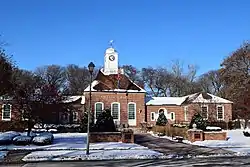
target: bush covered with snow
22 140
7 137
44 138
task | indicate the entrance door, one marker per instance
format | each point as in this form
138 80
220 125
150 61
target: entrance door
132 114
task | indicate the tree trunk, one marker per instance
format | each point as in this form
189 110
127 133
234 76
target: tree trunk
246 123
29 127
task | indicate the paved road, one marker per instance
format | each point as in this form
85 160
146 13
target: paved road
193 162
170 147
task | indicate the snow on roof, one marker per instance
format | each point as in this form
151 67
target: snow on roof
93 84
166 100
70 99
193 98
214 99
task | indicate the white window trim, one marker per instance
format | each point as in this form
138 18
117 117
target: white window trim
8 119
186 113
119 110
95 108
222 112
165 112
173 116
75 112
134 110
207 111
151 116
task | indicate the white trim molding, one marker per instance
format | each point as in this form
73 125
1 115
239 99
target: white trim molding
119 111
6 119
217 111
207 111
172 114
101 109
75 113
185 113
152 116
132 122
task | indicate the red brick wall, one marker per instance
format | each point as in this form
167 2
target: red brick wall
178 110
109 97
205 135
215 135
192 109
212 111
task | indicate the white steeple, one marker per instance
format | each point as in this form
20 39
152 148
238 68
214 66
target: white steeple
110 60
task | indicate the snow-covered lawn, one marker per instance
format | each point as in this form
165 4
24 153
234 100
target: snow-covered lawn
72 146
2 155
94 155
74 141
237 142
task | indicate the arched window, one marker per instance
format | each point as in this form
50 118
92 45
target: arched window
99 106
115 110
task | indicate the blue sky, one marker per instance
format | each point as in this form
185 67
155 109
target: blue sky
146 32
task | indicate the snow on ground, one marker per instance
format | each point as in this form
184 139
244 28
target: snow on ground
72 146
237 142
75 141
94 155
2 155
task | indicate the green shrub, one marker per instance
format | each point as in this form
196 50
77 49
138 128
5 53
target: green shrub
199 121
162 120
105 122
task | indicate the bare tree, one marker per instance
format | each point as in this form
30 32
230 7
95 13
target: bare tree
235 74
6 69
53 75
211 82
31 93
134 74
77 79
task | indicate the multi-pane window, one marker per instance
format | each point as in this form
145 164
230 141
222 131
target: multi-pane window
152 116
6 112
204 112
75 116
115 110
131 111
98 109
220 113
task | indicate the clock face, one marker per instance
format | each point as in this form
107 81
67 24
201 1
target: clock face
111 57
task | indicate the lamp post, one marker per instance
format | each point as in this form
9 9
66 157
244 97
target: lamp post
91 67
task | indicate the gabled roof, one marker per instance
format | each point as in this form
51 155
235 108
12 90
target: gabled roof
109 83
165 101
193 98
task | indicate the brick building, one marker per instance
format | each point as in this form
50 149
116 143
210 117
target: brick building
181 109
69 111
113 90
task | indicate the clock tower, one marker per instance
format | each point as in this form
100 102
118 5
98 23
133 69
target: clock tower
110 61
